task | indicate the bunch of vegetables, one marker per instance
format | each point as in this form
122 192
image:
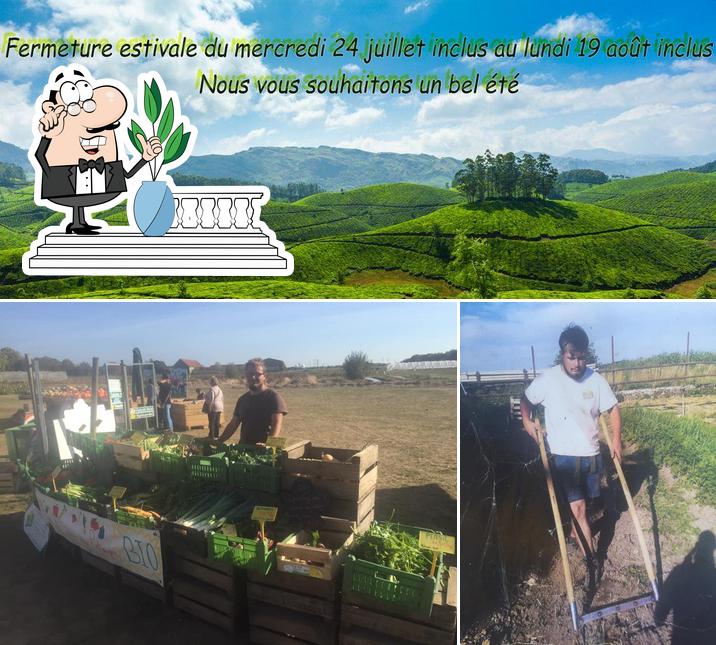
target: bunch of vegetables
250 457
211 510
86 493
388 545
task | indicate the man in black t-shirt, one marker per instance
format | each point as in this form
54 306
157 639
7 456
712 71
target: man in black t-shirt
260 411
164 401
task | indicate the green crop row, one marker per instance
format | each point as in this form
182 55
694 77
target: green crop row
383 195
619 187
686 445
529 219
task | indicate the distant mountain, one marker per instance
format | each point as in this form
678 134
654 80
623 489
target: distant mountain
12 154
345 168
619 163
707 167
332 168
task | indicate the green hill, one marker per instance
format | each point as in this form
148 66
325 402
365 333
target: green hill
332 168
681 201
396 241
533 245
295 222
621 187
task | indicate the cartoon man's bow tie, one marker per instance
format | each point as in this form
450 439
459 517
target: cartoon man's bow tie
97 164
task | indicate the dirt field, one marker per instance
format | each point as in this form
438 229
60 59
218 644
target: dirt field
46 599
513 588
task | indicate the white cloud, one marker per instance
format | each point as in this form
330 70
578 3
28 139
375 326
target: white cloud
341 117
687 65
237 143
499 336
351 68
16 113
412 8
573 25
664 113
137 18
301 110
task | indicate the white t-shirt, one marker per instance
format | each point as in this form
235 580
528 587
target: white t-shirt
572 409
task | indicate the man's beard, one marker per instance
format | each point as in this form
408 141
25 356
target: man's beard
255 387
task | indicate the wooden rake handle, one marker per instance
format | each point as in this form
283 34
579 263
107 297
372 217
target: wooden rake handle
632 509
558 526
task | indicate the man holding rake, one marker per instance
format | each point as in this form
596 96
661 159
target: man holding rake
573 397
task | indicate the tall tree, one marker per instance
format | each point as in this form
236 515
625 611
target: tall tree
527 184
472 265
547 175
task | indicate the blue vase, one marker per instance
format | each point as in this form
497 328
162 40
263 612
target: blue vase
154 208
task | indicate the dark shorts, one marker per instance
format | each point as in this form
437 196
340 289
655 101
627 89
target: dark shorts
578 477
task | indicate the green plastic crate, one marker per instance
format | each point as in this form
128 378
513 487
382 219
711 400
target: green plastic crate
91 448
130 519
18 442
167 464
211 468
257 477
243 553
404 593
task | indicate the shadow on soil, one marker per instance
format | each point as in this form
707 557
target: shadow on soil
690 592
413 501
506 521
507 527
53 598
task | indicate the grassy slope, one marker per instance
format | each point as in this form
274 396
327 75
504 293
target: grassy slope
560 244
554 246
683 201
277 288
620 187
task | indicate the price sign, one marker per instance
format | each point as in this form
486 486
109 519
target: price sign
117 492
142 412
437 542
275 443
264 514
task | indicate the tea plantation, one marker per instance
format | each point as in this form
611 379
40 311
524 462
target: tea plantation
681 201
395 241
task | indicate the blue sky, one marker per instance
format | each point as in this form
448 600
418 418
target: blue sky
226 332
646 106
497 336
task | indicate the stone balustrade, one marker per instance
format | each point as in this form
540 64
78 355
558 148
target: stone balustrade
213 209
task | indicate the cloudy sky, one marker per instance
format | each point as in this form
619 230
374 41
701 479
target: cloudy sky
651 106
321 333
497 336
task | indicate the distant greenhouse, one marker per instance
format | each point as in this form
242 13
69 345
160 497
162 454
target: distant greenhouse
422 365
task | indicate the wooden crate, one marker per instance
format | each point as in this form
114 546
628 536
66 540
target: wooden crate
130 456
293 556
286 609
345 476
350 479
8 482
359 511
98 563
188 415
207 589
147 587
364 626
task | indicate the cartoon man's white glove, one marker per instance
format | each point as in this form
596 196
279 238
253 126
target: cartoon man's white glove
53 121
150 147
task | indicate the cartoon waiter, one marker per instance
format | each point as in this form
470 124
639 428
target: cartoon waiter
77 151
